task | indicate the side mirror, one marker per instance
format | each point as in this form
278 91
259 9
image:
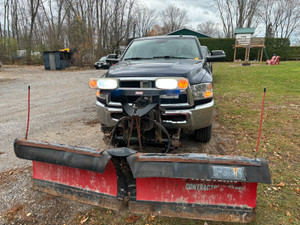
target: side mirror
112 61
216 56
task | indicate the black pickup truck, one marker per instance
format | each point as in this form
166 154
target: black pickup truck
169 72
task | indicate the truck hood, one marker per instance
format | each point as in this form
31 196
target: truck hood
190 69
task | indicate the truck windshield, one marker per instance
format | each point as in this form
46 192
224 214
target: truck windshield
173 48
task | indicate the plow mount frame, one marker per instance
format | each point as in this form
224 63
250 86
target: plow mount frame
197 186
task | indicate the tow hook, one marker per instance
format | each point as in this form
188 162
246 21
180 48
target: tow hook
175 139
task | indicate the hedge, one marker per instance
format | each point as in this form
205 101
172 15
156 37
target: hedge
277 46
294 53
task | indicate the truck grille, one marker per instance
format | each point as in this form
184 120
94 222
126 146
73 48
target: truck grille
137 84
130 99
144 83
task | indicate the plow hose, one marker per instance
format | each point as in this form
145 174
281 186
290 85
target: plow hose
113 132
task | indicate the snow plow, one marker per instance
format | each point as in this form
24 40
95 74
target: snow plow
144 110
199 186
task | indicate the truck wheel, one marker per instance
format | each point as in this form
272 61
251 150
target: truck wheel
203 134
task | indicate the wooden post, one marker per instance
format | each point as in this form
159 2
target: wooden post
261 54
246 54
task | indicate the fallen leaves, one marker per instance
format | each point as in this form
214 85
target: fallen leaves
152 217
13 212
281 184
84 219
277 155
274 206
278 186
132 218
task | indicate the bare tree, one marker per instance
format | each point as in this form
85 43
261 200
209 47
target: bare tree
291 21
271 14
173 18
33 10
226 12
281 18
237 14
247 12
52 20
145 19
209 28
121 16
14 19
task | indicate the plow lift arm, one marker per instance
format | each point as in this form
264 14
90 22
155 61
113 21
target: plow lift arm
198 186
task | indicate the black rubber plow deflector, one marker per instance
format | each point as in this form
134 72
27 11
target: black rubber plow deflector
59 154
200 166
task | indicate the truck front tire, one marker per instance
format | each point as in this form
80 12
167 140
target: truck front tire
203 134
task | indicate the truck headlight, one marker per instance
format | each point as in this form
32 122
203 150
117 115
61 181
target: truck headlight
104 83
202 91
171 83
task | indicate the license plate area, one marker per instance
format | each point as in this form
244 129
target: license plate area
171 96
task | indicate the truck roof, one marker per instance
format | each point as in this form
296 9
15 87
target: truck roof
167 37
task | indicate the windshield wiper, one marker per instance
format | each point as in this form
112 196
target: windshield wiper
169 57
137 58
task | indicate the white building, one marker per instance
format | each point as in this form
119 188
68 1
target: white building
243 35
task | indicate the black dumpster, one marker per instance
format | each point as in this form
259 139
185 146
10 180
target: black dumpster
57 60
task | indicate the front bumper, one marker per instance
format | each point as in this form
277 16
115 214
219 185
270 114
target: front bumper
189 119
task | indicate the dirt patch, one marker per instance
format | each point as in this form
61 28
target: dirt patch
11 214
3 79
92 122
251 64
20 204
11 176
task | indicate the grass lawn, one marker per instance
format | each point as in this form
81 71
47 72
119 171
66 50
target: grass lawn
238 94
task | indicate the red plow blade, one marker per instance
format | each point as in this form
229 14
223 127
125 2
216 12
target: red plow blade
199 186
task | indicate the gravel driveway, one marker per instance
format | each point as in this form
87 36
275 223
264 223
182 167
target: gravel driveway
62 111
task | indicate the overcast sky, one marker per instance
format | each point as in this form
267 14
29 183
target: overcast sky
198 11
